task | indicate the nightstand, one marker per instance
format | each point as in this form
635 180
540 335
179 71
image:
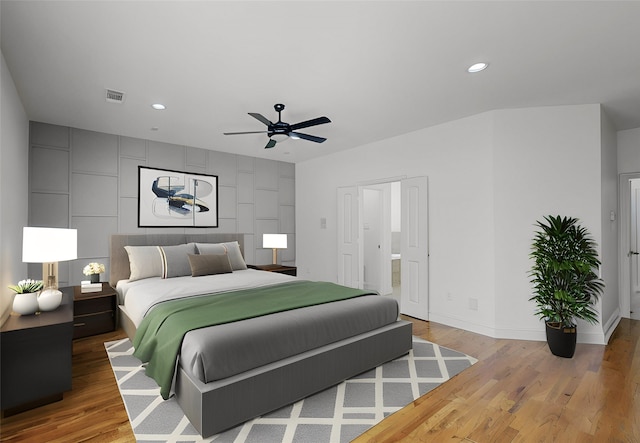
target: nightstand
35 352
281 269
94 312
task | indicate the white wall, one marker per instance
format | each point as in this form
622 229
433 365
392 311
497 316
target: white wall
14 187
609 244
457 158
629 151
547 162
491 176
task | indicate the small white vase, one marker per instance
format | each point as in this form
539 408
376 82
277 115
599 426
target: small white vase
49 299
26 303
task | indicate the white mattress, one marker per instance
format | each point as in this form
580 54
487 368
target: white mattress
140 296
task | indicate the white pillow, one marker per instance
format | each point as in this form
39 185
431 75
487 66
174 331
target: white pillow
144 262
231 248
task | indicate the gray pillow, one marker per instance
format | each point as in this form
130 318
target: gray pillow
209 264
231 248
175 260
144 262
211 248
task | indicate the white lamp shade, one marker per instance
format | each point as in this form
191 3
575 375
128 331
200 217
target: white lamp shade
45 245
277 241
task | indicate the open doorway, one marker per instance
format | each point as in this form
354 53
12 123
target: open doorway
630 245
381 235
363 238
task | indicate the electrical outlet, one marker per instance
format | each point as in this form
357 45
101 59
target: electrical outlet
473 304
449 296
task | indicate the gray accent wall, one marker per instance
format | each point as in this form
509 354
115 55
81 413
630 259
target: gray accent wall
89 181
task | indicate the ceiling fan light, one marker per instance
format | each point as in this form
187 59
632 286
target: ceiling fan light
477 67
279 137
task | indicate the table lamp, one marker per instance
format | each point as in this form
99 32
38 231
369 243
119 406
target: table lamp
275 242
49 246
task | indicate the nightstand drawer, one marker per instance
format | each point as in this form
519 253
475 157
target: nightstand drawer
280 269
94 312
92 305
86 325
288 271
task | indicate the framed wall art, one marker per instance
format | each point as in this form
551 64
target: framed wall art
169 198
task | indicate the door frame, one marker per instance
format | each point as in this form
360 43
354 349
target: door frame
624 260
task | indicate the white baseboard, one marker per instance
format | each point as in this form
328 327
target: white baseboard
590 337
611 324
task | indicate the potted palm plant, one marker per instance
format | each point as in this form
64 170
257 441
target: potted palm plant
565 283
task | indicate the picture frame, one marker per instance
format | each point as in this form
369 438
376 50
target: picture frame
168 198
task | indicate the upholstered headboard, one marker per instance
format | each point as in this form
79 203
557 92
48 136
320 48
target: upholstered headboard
119 259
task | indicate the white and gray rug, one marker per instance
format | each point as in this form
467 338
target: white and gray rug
338 414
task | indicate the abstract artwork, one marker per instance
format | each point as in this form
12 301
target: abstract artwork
169 198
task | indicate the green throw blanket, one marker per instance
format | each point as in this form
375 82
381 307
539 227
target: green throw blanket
159 336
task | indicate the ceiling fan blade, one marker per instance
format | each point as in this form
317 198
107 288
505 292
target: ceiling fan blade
312 122
311 138
270 144
260 117
247 132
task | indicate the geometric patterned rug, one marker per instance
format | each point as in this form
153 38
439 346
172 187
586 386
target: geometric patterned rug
337 414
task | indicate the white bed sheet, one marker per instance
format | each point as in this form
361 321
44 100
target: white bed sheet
141 295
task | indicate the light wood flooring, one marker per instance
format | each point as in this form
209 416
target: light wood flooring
517 392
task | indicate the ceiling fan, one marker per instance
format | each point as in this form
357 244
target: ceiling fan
280 131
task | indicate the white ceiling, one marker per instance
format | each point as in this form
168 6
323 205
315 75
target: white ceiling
377 69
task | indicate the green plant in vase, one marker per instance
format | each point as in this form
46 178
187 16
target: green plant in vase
25 301
565 283
26 286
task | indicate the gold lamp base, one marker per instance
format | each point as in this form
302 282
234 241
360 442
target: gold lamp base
50 275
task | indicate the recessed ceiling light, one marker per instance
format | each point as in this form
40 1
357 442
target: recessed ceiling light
158 106
477 67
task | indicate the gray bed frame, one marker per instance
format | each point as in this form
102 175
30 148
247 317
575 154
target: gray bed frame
220 405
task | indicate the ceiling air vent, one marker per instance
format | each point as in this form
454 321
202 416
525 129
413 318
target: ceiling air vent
114 96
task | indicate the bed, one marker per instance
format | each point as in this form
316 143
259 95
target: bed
231 372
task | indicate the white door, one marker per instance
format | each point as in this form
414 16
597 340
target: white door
634 249
371 238
349 248
414 300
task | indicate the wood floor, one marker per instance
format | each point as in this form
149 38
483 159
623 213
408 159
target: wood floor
517 392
